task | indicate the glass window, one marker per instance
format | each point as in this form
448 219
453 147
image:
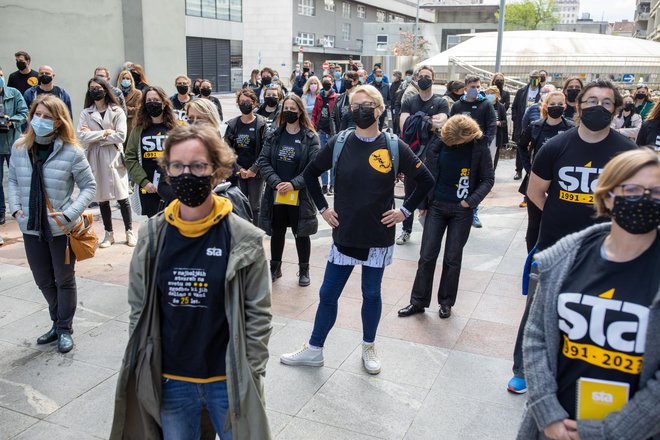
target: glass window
236 10
380 16
346 31
330 5
361 11
307 7
346 9
222 9
328 41
381 42
305 39
194 8
208 8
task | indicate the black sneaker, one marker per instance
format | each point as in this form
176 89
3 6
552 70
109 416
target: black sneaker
410 310
48 337
445 311
65 343
324 188
517 176
331 190
2 218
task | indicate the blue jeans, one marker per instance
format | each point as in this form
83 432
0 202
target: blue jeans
334 280
181 409
323 138
3 158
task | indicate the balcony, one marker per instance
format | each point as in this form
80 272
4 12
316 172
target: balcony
640 33
642 15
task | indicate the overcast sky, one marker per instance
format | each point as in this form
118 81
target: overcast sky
608 10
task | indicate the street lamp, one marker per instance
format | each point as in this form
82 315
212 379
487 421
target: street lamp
500 31
416 30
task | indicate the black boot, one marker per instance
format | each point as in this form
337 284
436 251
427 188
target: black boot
275 270
303 275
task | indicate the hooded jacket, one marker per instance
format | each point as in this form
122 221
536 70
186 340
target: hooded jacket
484 115
318 105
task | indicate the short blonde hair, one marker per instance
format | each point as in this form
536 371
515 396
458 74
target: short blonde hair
544 104
372 93
621 168
310 80
207 108
494 90
182 76
460 129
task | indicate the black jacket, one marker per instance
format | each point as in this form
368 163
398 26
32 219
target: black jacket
482 176
384 90
485 115
230 137
518 110
307 221
338 110
503 129
527 144
649 133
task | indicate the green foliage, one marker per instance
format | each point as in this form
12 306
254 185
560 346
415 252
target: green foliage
528 15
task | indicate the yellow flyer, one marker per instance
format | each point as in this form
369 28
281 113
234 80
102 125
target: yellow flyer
289 198
596 399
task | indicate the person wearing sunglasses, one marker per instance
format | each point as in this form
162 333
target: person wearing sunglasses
592 340
564 175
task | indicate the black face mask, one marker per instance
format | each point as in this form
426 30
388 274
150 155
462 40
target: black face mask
182 89
629 107
305 69
245 108
555 111
424 83
596 118
205 91
270 101
45 79
364 117
499 84
638 217
572 94
348 84
640 95
326 85
21 65
154 109
542 79
266 80
290 116
97 94
136 77
196 90
191 190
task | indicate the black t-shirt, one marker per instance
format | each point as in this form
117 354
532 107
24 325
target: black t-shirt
434 106
573 166
324 120
603 318
22 82
180 109
288 155
152 144
453 181
569 113
246 143
191 286
545 133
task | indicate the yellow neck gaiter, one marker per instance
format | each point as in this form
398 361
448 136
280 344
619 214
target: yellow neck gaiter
221 208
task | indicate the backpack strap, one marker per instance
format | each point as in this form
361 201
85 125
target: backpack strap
339 146
393 146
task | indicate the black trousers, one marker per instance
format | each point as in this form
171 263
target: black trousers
533 224
284 217
253 189
457 221
124 208
518 367
56 280
409 186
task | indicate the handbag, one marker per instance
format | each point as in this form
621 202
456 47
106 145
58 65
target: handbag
82 238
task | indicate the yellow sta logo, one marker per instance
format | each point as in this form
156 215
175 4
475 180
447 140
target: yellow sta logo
380 161
33 81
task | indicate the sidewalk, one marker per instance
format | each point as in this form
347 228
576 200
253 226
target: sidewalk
441 378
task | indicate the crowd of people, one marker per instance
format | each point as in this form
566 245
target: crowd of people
199 270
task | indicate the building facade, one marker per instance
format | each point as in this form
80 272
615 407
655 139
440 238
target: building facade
653 26
642 15
566 11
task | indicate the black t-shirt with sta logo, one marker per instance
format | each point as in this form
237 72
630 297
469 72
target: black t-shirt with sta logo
22 82
453 181
191 286
572 166
246 143
180 109
603 315
288 155
152 144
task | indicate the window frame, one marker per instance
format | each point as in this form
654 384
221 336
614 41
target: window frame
346 10
379 44
329 5
344 28
303 37
307 8
361 11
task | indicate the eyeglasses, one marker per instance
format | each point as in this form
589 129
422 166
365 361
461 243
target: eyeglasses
196 119
634 193
363 106
593 101
199 169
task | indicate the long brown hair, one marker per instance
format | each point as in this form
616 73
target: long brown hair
655 112
62 124
143 120
302 113
139 70
110 98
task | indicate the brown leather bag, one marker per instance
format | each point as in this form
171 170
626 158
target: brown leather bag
81 238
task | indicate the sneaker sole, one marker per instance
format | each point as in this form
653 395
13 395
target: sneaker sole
373 372
301 363
515 391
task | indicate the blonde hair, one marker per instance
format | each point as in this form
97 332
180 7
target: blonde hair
544 105
621 168
372 93
460 129
62 124
494 90
121 76
310 80
182 76
207 108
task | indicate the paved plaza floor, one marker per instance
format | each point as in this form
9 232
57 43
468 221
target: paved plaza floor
441 379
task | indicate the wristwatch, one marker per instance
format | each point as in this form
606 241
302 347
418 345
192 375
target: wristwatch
322 210
405 212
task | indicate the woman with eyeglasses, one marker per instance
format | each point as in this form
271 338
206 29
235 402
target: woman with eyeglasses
155 118
592 340
202 111
102 132
627 121
572 88
362 219
649 133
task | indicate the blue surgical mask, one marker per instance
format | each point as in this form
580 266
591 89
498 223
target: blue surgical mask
42 127
125 83
362 80
337 75
491 98
408 78
276 78
378 79
472 93
2 82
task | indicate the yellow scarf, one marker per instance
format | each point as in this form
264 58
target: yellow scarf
221 208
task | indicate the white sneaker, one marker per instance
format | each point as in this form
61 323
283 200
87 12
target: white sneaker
131 241
305 356
370 358
108 240
2 241
403 238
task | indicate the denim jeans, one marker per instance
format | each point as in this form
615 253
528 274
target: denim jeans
323 139
334 280
181 408
3 158
457 221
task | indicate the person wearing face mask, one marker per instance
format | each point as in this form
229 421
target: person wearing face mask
253 82
501 136
338 80
341 112
301 78
649 133
362 74
205 90
46 163
24 77
267 75
397 99
139 77
533 112
525 98
278 82
45 87
132 97
551 124
362 220
643 101
272 105
226 311
455 91
370 78
287 151
543 78
384 90
562 181
571 89
104 73
505 97
102 131
311 90
202 111
155 119
603 279
627 121
181 98
324 125
195 87
245 135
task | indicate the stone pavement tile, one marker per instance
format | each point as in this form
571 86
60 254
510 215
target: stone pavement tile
48 382
494 240
278 323
288 389
476 377
402 362
466 302
451 416
290 300
491 218
365 404
15 356
505 285
12 423
474 280
104 299
299 429
27 291
12 276
14 309
277 421
479 260
25 331
92 412
488 338
512 264
339 345
404 270
49 431
425 328
103 345
123 317
500 309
